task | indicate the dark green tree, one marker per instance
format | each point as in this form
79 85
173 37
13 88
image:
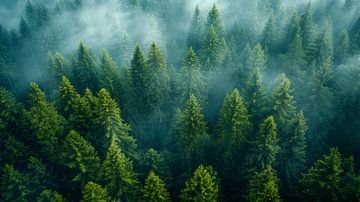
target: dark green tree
58 67
202 186
154 189
93 192
195 31
268 39
256 58
307 28
264 186
14 185
50 196
210 53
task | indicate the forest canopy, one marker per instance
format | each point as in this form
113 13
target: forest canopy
179 100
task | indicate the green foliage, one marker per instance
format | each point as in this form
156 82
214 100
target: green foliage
81 156
47 124
256 58
191 131
264 186
195 31
58 67
154 189
117 174
155 162
14 185
50 196
202 186
322 180
283 101
210 53
94 193
265 147
190 80
214 20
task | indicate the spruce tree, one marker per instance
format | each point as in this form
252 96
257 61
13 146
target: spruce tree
296 53
264 186
81 156
191 131
85 70
14 185
214 20
210 53
269 35
190 80
322 180
256 58
202 186
154 189
307 28
111 124
265 147
194 36
50 196
47 124
93 192
283 101
138 73
155 161
58 67
326 49
117 174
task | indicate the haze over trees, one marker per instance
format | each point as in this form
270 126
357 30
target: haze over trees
152 100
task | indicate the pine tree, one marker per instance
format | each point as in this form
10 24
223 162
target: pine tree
269 36
256 59
191 131
321 181
264 186
117 174
202 186
154 189
94 193
296 52
158 81
214 20
233 126
111 124
265 147
81 156
46 122
210 53
155 162
190 80
85 70
110 76
254 93
307 28
326 49
14 185
283 101
195 31
138 73
293 149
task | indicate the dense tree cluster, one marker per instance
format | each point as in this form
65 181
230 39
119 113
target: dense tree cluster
249 112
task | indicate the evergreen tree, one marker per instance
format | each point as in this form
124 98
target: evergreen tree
138 73
94 193
14 185
255 97
210 53
265 147
293 150
117 174
191 131
190 80
264 186
195 31
111 124
296 53
155 162
46 122
58 67
233 127
201 187
326 43
256 59
283 103
214 20
158 81
344 45
110 75
85 70
154 189
81 156
269 34
321 182
307 28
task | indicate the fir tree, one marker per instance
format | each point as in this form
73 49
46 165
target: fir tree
117 174
321 181
283 101
296 52
190 80
326 49
264 186
191 131
154 189
85 70
14 185
269 36
210 53
81 156
256 59
94 193
46 122
195 31
307 28
58 67
265 147
50 196
214 20
155 162
201 187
